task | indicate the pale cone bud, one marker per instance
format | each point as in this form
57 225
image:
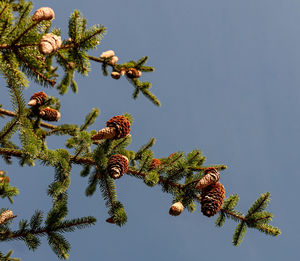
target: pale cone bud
114 60
43 13
107 54
176 209
115 75
32 102
5 216
105 133
49 43
122 71
208 179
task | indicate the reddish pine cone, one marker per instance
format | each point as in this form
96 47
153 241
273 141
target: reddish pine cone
176 209
133 73
37 98
49 114
212 198
110 220
121 124
117 166
154 164
3 179
211 176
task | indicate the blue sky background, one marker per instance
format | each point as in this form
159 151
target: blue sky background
228 76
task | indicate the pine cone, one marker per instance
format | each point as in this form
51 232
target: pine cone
107 54
43 13
110 220
211 176
176 209
133 73
3 179
117 127
114 60
154 164
212 198
117 166
115 75
37 98
49 43
5 216
49 114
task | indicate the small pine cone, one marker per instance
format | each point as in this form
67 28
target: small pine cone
117 127
133 73
117 166
37 98
3 179
43 13
49 43
154 164
49 114
122 125
5 216
176 209
212 198
114 60
123 71
107 54
110 220
211 176
115 75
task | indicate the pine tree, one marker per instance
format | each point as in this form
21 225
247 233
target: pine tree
31 50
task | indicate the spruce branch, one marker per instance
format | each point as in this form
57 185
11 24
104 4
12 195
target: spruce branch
51 82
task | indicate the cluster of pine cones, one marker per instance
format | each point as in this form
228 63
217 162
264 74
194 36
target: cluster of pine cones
212 194
47 114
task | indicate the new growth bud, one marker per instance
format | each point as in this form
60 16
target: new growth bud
107 54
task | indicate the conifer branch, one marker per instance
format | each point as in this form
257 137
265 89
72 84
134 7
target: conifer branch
234 215
4 8
17 46
47 230
13 114
51 82
25 32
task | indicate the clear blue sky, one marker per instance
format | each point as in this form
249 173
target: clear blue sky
228 76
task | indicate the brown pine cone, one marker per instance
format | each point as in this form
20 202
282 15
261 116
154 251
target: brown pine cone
154 164
49 114
211 176
110 220
176 209
49 43
115 75
5 216
133 73
37 98
43 13
212 198
117 166
117 127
